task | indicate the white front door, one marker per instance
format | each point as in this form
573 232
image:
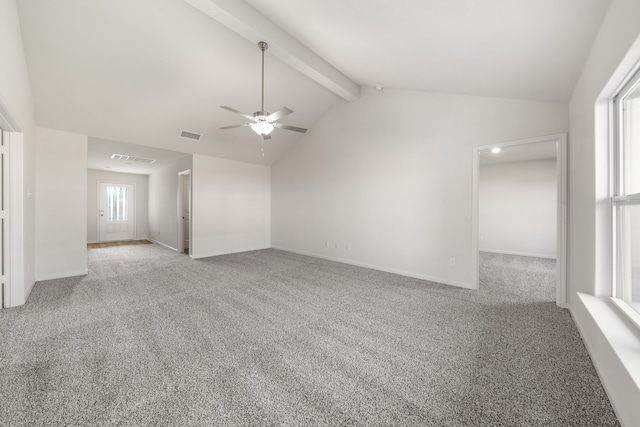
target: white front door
116 212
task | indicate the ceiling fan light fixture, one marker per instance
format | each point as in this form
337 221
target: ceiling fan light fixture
262 122
262 128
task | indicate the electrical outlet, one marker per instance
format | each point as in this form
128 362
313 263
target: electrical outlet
327 244
348 246
337 245
452 262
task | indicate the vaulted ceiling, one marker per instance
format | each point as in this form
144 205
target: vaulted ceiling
141 71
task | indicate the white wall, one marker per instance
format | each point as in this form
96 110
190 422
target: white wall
588 154
163 202
61 218
391 175
517 208
15 98
141 183
614 52
231 206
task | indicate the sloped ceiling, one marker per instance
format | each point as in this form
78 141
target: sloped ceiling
140 71
523 49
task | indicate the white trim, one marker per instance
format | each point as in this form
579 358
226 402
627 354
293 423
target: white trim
14 265
6 216
562 162
475 219
561 238
497 251
16 282
7 121
180 210
614 347
58 275
162 244
627 310
17 192
413 275
626 198
235 251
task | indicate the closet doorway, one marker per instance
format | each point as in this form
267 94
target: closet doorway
512 231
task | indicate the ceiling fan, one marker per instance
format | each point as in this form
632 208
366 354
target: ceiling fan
263 122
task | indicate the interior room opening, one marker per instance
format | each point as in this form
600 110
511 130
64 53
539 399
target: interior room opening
518 220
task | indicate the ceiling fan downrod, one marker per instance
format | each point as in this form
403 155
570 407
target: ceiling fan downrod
263 46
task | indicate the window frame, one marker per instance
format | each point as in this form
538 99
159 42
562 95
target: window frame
618 195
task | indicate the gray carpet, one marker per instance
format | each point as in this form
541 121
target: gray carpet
150 337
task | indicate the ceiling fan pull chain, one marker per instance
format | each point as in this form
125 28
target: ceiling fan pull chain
262 147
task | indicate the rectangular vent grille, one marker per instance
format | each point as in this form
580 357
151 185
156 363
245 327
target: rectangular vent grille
190 135
127 158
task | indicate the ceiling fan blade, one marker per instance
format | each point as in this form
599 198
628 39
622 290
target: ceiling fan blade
233 110
236 126
288 127
280 113
266 136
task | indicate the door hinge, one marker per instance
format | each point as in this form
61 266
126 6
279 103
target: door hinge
3 149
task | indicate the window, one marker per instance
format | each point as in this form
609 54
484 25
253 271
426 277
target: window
626 197
117 208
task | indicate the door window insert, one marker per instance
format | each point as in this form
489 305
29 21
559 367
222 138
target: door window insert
117 209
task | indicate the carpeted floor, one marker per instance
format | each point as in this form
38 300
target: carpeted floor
520 278
150 337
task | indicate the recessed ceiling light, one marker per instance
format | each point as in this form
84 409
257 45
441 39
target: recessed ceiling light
379 87
495 150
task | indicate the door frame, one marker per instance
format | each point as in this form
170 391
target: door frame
181 194
15 194
5 220
561 214
133 206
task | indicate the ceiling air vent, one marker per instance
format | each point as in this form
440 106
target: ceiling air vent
127 158
190 135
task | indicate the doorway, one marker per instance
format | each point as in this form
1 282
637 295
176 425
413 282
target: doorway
184 212
525 151
116 212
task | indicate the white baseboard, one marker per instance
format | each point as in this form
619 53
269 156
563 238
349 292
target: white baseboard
613 343
51 276
381 268
161 244
497 251
235 251
90 242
